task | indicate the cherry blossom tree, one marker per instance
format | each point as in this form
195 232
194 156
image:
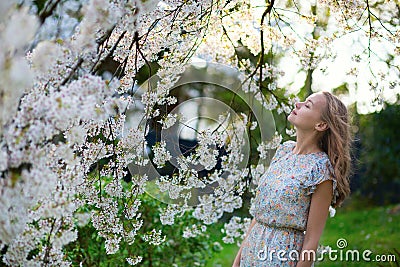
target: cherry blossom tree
72 74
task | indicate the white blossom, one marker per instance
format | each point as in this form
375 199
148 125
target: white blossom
135 260
265 146
3 159
332 211
167 215
112 245
45 54
76 135
82 218
168 121
154 237
254 125
161 155
235 230
194 231
20 29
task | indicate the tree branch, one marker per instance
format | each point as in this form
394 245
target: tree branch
48 10
74 69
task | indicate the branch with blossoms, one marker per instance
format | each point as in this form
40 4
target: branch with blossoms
86 83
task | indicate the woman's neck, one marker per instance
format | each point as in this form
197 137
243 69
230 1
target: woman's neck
306 143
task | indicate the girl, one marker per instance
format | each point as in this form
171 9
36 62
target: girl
304 178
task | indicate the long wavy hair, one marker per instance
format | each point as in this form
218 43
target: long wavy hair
336 142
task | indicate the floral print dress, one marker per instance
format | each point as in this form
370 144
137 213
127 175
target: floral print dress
281 207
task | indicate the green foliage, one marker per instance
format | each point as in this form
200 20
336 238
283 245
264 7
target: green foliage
89 249
375 229
39 4
341 89
380 157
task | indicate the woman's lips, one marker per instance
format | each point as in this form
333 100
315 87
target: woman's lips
294 112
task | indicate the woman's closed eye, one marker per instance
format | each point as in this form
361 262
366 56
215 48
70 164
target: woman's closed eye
307 103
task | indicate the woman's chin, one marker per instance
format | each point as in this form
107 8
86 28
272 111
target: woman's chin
290 118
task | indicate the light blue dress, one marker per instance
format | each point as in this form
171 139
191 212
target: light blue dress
281 207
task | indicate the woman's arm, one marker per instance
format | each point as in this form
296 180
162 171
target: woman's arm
236 263
319 209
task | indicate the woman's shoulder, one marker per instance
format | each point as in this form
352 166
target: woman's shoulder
288 145
323 166
283 149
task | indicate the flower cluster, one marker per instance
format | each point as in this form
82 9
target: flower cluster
135 260
161 155
264 148
235 230
76 113
154 237
194 231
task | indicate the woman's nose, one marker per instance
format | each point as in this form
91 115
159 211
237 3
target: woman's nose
300 104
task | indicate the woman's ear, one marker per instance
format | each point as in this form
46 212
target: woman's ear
321 126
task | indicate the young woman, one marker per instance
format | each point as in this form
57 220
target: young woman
304 178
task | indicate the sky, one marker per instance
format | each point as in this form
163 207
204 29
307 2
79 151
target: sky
336 70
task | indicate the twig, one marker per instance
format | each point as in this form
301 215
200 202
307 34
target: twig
74 69
48 10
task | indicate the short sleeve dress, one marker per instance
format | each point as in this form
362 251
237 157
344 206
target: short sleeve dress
281 207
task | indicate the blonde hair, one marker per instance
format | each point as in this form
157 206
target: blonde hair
336 142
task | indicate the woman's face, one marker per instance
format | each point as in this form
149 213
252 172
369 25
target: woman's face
307 115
